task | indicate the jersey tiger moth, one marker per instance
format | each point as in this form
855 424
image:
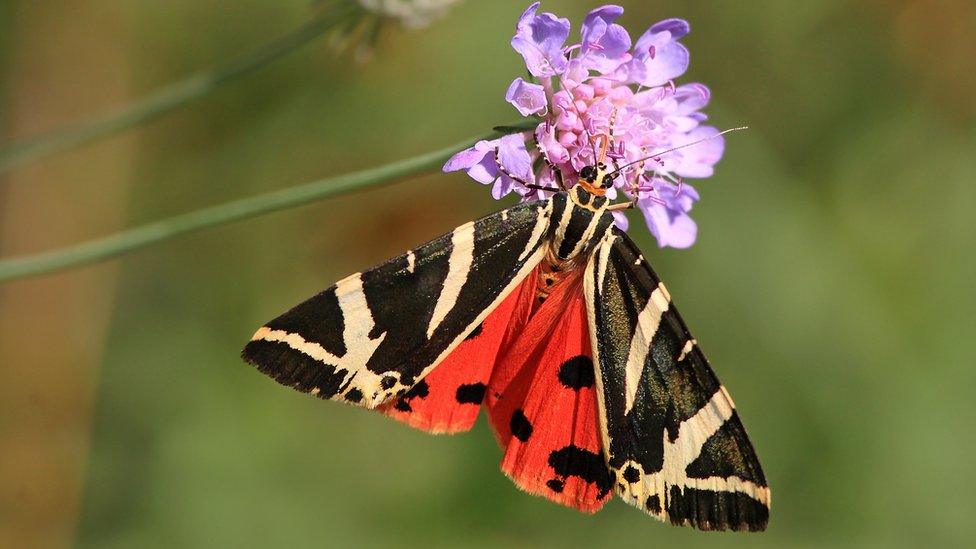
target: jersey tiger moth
549 317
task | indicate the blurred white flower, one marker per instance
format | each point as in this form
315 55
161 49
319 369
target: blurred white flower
411 13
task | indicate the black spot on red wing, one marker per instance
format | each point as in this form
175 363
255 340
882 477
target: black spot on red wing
654 503
471 393
387 382
573 461
421 390
556 485
521 428
402 405
476 332
354 395
577 373
631 474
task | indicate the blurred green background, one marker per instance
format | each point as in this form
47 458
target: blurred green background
832 284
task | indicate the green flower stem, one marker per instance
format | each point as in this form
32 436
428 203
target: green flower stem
160 231
169 98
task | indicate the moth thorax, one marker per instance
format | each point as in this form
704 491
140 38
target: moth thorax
552 271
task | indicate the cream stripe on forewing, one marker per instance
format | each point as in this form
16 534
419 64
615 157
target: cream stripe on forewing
357 324
605 246
563 225
458 267
541 224
535 250
596 268
648 322
296 342
411 261
357 320
693 434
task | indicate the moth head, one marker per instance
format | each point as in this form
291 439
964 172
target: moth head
596 179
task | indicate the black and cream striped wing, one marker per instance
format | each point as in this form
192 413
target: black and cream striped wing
671 434
374 334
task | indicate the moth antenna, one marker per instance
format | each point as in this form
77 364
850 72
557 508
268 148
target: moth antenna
603 148
635 188
679 147
612 125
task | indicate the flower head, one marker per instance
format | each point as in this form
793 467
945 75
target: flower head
413 14
604 86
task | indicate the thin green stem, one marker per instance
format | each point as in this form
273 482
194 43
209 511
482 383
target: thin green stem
160 231
171 97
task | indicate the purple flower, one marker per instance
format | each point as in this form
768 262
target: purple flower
666 211
479 163
605 86
540 39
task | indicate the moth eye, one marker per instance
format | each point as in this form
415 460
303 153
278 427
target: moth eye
588 173
607 181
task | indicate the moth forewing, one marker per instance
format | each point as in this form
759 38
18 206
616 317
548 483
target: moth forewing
373 335
671 434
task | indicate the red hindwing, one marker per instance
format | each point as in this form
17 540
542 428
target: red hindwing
542 404
531 363
448 399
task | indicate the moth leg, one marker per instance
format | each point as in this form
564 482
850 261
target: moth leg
623 205
634 186
502 169
543 188
556 172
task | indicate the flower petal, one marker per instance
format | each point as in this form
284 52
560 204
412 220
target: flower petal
692 97
478 161
540 39
677 27
605 43
666 213
658 48
515 158
699 160
527 97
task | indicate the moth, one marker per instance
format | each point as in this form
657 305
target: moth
550 318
